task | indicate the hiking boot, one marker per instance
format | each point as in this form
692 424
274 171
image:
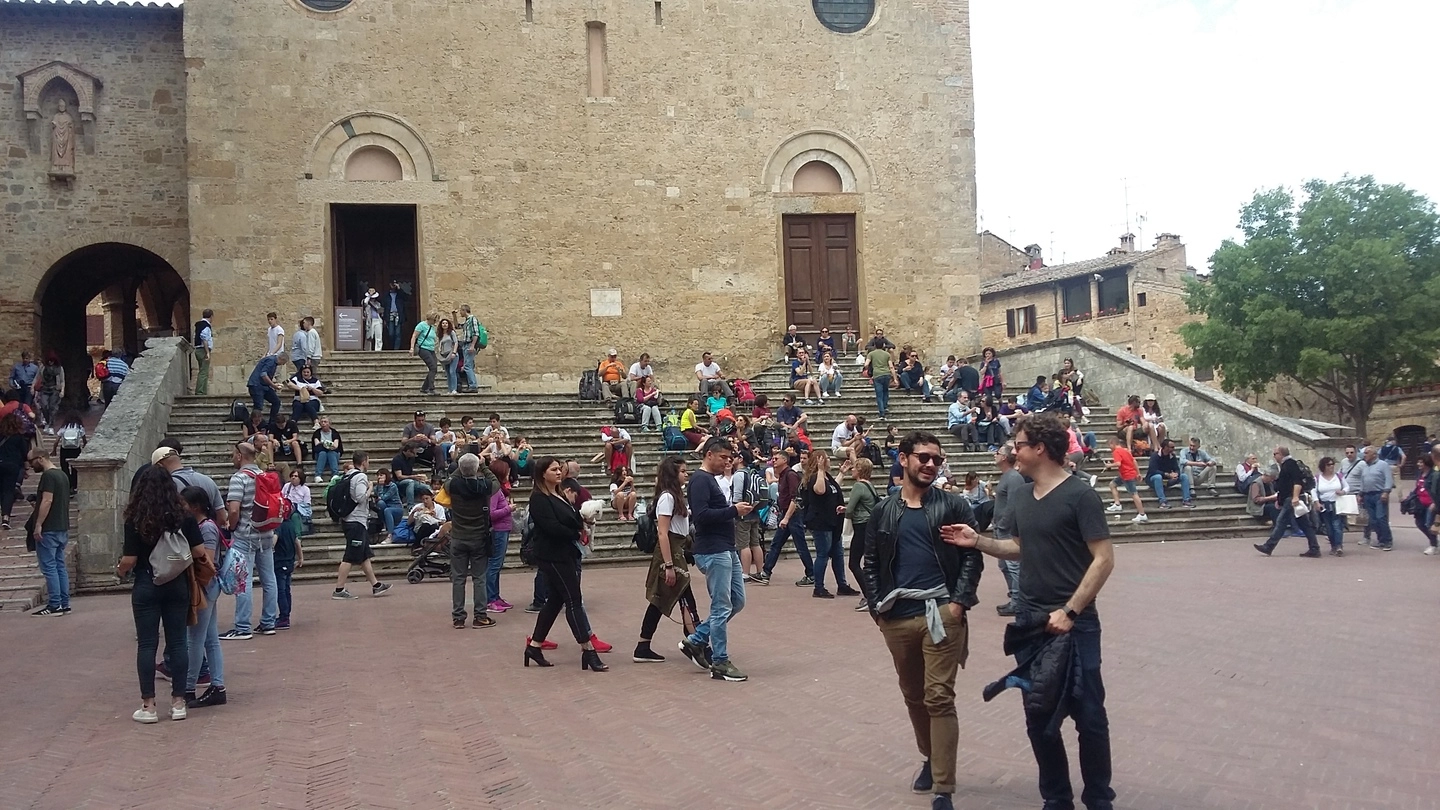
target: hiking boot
726 671
923 782
806 581
645 655
694 652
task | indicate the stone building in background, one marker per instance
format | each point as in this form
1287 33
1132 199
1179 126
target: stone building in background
1133 299
670 176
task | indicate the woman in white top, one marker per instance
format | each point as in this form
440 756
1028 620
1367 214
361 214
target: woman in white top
668 581
830 377
1329 485
426 517
1154 421
305 407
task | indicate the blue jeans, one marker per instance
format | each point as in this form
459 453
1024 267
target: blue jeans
284 570
795 530
410 489
204 641
305 411
392 515
392 331
1378 513
452 368
1423 519
469 367
828 547
50 552
498 542
830 386
882 394
1158 483
1010 569
910 383
1092 723
260 394
257 560
1285 521
1334 524
327 459
726 583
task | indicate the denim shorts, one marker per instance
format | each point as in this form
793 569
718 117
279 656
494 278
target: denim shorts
1128 486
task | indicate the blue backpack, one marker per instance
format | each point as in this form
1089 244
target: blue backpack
673 439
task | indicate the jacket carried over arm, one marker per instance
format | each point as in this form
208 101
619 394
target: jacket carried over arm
962 567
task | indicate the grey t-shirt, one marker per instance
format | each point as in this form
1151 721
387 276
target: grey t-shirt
1003 524
1054 532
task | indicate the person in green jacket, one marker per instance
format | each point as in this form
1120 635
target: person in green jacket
858 506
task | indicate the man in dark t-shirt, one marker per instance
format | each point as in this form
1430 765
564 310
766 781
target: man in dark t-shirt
712 517
402 471
1060 536
52 532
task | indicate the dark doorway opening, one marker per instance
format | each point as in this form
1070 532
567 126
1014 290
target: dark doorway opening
377 245
821 281
140 294
1411 439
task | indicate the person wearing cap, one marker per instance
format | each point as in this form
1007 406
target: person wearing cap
1153 420
420 435
170 460
612 375
792 342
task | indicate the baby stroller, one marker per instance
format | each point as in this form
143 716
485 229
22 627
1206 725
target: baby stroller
431 560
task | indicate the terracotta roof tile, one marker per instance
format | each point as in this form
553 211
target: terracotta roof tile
1061 272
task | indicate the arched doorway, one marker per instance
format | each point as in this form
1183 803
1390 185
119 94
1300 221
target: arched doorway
1410 438
140 295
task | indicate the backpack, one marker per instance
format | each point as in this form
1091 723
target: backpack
1307 478
102 371
647 533
71 436
743 392
672 439
482 337
170 557
527 538
873 452
238 412
590 390
270 509
339 500
626 411
672 419
754 491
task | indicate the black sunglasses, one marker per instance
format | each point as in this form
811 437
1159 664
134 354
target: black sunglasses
1020 444
926 459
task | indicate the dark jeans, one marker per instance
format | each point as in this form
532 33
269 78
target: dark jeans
857 552
794 530
66 455
468 558
1087 709
9 479
965 432
563 583
1287 520
263 393
155 605
305 411
284 570
428 356
1423 518
828 547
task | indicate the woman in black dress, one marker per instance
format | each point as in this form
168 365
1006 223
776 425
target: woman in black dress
155 508
557 527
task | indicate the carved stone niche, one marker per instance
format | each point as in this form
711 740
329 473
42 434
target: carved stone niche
41 90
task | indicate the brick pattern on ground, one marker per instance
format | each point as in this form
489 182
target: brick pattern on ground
1235 681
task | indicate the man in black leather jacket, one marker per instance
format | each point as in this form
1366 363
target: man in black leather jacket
919 588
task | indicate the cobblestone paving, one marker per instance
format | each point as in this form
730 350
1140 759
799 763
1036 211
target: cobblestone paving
1235 681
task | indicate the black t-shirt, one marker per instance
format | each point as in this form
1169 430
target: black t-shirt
967 378
139 548
820 509
14 450
1053 533
916 565
402 464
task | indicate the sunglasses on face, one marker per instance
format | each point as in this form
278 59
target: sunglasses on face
926 459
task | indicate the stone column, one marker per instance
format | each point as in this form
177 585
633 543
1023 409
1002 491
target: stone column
104 489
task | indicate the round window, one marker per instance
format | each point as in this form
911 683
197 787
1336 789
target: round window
844 16
325 5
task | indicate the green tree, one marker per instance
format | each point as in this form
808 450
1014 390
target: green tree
1339 291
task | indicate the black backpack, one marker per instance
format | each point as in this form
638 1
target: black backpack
527 539
339 502
626 411
647 533
590 390
1307 478
239 412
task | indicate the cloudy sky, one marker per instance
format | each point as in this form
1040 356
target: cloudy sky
1197 103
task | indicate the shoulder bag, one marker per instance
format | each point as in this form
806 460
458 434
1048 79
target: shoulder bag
170 557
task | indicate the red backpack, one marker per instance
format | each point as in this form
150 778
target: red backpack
743 392
102 371
271 508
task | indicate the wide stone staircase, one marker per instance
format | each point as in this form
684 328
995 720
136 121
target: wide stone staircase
21 585
375 394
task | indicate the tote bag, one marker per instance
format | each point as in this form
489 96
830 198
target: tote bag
1347 505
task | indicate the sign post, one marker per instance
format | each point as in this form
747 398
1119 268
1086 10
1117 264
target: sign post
349 329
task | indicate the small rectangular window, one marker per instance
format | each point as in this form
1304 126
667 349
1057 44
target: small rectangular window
595 48
659 15
1020 321
530 11
1114 294
1140 299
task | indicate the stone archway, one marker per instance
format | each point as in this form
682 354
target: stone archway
142 294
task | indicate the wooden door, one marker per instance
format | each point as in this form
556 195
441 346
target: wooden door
821 282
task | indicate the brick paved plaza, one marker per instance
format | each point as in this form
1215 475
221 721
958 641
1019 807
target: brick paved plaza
1235 681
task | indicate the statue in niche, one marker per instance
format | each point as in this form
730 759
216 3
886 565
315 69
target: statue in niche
62 141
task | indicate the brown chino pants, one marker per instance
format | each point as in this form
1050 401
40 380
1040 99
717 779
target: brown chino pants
927 682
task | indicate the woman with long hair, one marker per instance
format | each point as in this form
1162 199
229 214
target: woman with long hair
14 449
1154 421
647 396
987 426
557 551
155 508
622 493
668 581
1329 485
1424 516
802 377
824 506
447 352
858 507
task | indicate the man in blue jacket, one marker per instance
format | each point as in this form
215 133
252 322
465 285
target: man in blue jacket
712 517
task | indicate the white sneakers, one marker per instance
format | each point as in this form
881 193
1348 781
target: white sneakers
1114 507
144 715
1429 551
177 712
1140 518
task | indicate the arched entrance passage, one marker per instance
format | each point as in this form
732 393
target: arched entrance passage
141 294
1410 438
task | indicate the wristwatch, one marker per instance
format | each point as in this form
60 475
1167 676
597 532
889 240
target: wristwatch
1071 615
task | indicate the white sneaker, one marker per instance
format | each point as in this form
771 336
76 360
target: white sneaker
1429 551
144 715
319 480
177 712
1114 507
1092 480
1140 518
809 402
836 394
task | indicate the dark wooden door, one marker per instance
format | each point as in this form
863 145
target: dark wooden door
821 283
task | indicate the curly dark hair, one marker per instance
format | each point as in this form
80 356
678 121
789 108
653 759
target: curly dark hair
10 425
1046 431
155 507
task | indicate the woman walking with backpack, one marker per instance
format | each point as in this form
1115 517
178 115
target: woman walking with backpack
668 581
155 510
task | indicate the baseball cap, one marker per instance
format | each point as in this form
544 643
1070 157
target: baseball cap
162 453
613 352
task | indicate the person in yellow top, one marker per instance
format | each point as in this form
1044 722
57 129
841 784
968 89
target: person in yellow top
612 375
689 426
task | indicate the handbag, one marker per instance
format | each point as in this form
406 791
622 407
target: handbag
170 557
1347 505
1411 504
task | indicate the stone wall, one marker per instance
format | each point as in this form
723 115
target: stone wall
1228 427
129 183
998 257
132 427
530 194
1420 406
